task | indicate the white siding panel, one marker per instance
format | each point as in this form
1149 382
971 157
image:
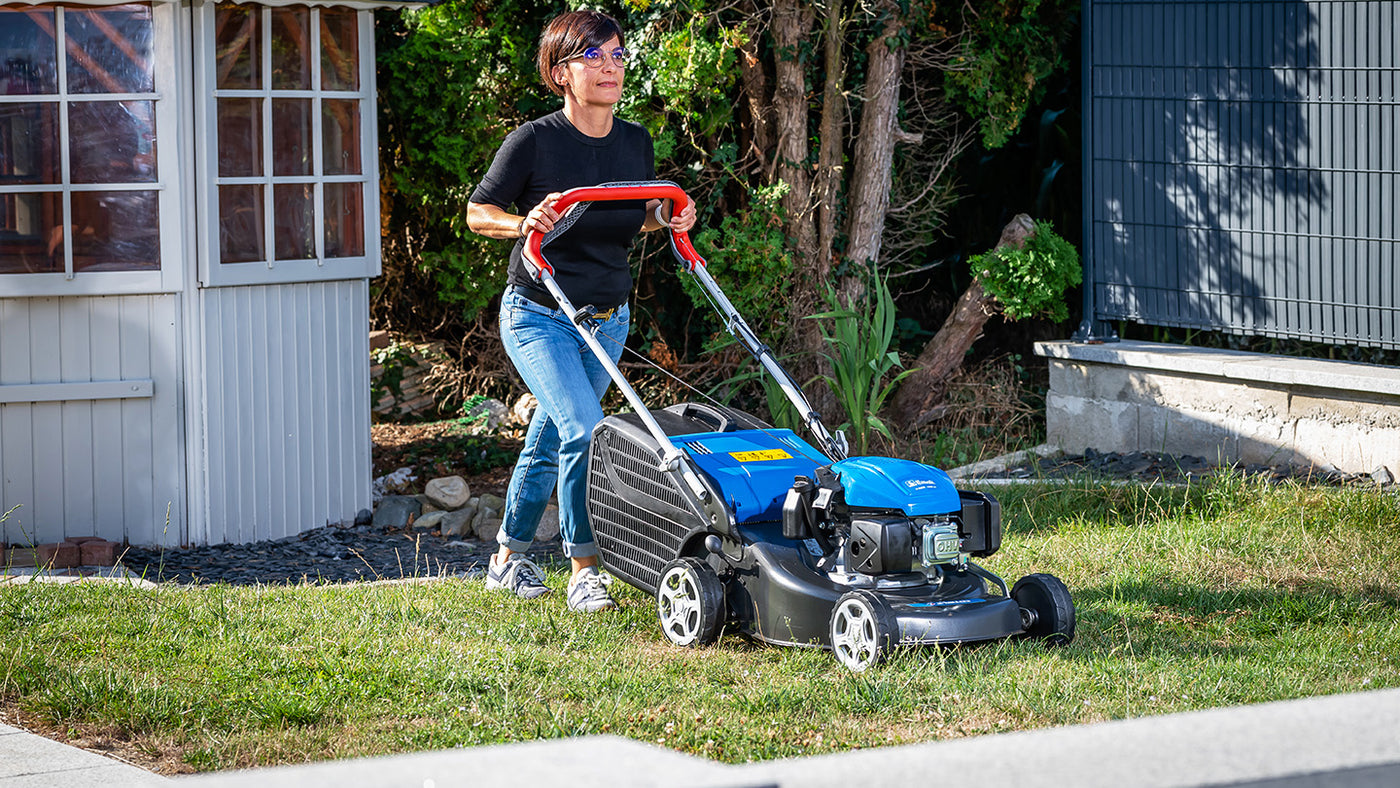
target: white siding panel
109 515
75 363
287 412
80 467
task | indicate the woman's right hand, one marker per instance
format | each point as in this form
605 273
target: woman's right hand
542 217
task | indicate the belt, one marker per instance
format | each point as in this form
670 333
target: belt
547 301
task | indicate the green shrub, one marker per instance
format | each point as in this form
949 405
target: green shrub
1031 281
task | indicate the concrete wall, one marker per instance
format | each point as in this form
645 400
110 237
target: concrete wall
1221 404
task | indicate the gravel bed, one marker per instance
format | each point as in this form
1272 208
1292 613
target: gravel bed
324 555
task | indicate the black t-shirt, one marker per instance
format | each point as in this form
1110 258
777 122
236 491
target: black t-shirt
550 155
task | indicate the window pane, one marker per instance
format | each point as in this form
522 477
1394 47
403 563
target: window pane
340 49
291 50
237 47
28 56
340 137
294 218
112 141
345 220
241 224
116 231
291 136
29 143
31 233
240 137
109 50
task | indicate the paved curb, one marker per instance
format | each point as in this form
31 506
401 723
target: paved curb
1342 741
1001 463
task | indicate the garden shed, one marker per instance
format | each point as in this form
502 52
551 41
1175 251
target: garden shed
188 226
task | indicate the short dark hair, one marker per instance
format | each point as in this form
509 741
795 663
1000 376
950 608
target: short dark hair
571 33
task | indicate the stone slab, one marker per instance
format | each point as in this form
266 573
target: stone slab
1220 404
1231 364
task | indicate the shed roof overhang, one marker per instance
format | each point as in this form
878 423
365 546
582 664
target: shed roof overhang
357 4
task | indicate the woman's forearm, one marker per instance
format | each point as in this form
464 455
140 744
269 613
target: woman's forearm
493 221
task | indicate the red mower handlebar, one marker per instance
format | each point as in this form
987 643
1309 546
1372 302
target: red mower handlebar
659 190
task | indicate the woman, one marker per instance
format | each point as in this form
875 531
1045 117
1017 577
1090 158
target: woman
581 58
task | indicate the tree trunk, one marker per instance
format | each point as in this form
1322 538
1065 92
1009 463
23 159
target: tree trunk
920 394
792 25
832 136
874 154
755 83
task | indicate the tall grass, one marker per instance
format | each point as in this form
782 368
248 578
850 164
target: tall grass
1225 593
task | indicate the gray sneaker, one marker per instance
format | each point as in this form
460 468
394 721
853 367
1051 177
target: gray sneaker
518 575
589 592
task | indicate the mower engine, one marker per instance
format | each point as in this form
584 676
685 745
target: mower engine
859 542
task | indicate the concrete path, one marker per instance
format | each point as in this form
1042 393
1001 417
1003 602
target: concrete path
27 759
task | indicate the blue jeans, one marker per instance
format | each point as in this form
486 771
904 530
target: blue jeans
569 381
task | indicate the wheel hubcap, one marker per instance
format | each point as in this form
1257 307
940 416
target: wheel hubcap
678 602
853 635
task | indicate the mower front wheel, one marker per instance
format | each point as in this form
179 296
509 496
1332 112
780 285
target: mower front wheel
863 630
690 602
1047 610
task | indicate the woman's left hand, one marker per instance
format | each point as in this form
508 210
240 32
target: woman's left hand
686 219
679 223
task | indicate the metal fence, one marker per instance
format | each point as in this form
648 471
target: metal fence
1240 167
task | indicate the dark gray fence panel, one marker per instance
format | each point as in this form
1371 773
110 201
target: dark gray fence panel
1241 167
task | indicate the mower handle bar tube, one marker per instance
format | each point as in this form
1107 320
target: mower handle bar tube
570 205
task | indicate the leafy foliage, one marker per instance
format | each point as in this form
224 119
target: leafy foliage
1009 47
748 256
1031 281
456 77
860 340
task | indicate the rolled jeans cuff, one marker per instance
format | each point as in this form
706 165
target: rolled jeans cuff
580 550
514 545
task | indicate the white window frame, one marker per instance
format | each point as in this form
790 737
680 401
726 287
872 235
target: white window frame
168 186
213 273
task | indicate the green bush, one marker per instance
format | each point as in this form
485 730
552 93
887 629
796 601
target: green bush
1031 281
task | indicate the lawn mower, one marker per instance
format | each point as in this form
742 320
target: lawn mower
732 523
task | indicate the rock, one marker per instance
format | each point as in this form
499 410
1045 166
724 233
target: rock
549 525
448 493
488 524
392 483
459 523
427 502
524 409
395 511
487 416
363 517
429 521
1382 477
490 501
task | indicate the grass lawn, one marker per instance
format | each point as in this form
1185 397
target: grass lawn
1226 593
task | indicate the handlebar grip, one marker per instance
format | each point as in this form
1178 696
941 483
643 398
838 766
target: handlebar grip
608 192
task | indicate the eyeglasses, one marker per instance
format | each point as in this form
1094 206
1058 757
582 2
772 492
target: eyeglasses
593 57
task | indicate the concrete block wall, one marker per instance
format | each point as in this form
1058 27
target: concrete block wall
1222 405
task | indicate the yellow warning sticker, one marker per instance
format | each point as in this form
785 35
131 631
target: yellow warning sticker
760 455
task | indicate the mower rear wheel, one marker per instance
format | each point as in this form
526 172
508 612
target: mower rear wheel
690 602
1046 607
863 630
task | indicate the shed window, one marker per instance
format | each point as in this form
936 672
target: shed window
290 89
80 188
